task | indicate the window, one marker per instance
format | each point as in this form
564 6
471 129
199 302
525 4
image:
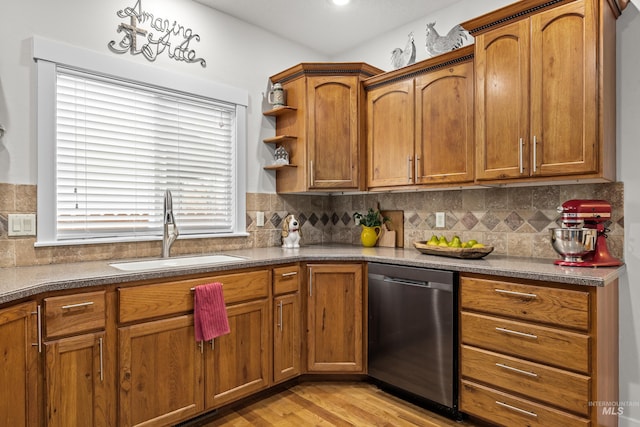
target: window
112 145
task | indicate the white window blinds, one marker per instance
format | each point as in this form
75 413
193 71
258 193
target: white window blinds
119 145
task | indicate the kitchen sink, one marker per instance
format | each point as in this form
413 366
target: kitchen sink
175 262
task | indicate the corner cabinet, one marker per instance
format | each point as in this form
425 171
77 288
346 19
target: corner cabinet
322 127
335 322
420 123
19 369
545 91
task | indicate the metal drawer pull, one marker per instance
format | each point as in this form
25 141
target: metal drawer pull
81 304
38 314
293 273
101 361
520 149
520 334
520 371
513 408
514 293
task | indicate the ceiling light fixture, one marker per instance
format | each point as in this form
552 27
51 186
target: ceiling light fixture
341 2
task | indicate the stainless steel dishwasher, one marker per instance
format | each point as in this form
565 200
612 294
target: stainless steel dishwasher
413 333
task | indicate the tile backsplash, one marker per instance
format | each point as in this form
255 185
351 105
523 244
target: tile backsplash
515 220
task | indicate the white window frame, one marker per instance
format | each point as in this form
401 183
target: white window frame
49 55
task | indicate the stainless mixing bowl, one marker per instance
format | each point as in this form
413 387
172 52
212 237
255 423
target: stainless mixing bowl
573 243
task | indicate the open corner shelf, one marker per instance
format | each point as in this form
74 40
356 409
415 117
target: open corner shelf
279 139
279 111
275 167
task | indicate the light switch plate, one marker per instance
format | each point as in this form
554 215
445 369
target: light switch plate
22 225
440 223
259 219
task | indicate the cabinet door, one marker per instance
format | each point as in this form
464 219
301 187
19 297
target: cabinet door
286 337
160 372
502 102
19 367
333 132
564 95
335 324
390 134
237 364
75 382
444 126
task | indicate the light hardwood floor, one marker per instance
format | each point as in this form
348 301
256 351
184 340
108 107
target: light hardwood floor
331 404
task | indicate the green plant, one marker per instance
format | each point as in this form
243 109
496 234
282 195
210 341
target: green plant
370 219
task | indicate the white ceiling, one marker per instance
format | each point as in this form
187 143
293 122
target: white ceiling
324 27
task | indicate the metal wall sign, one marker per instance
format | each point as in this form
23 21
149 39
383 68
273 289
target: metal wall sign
153 36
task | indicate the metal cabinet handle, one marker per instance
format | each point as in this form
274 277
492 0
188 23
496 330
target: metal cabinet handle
310 283
81 304
417 169
520 149
515 293
292 273
311 173
520 371
38 314
280 321
535 156
101 360
516 409
409 168
520 334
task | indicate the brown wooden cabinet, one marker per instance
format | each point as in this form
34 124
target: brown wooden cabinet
420 123
79 374
19 368
161 366
324 114
237 364
545 91
390 134
537 353
335 318
287 319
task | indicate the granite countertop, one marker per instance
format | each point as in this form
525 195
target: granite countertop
23 282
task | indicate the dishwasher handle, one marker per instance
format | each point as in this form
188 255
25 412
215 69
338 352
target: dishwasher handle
419 283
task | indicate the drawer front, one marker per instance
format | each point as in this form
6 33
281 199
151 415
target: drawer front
286 279
162 299
554 386
507 410
72 314
564 349
561 307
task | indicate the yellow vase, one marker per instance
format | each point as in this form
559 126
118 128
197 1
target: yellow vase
369 235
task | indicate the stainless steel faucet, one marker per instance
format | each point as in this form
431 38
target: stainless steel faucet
169 220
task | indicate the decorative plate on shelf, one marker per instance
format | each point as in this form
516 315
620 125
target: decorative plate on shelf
470 253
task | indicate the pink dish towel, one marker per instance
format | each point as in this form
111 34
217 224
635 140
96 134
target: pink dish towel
209 312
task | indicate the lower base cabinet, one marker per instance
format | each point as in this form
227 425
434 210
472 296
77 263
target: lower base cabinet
76 392
237 364
334 318
19 367
161 368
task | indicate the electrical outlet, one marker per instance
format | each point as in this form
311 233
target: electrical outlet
22 225
259 219
440 223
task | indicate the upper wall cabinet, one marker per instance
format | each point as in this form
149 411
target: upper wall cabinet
545 91
323 124
420 123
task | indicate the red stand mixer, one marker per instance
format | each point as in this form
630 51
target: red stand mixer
581 240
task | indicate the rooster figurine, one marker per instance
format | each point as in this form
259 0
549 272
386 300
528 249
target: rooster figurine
401 58
437 44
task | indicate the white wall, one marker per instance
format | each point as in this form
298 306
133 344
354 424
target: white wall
628 111
237 54
377 53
